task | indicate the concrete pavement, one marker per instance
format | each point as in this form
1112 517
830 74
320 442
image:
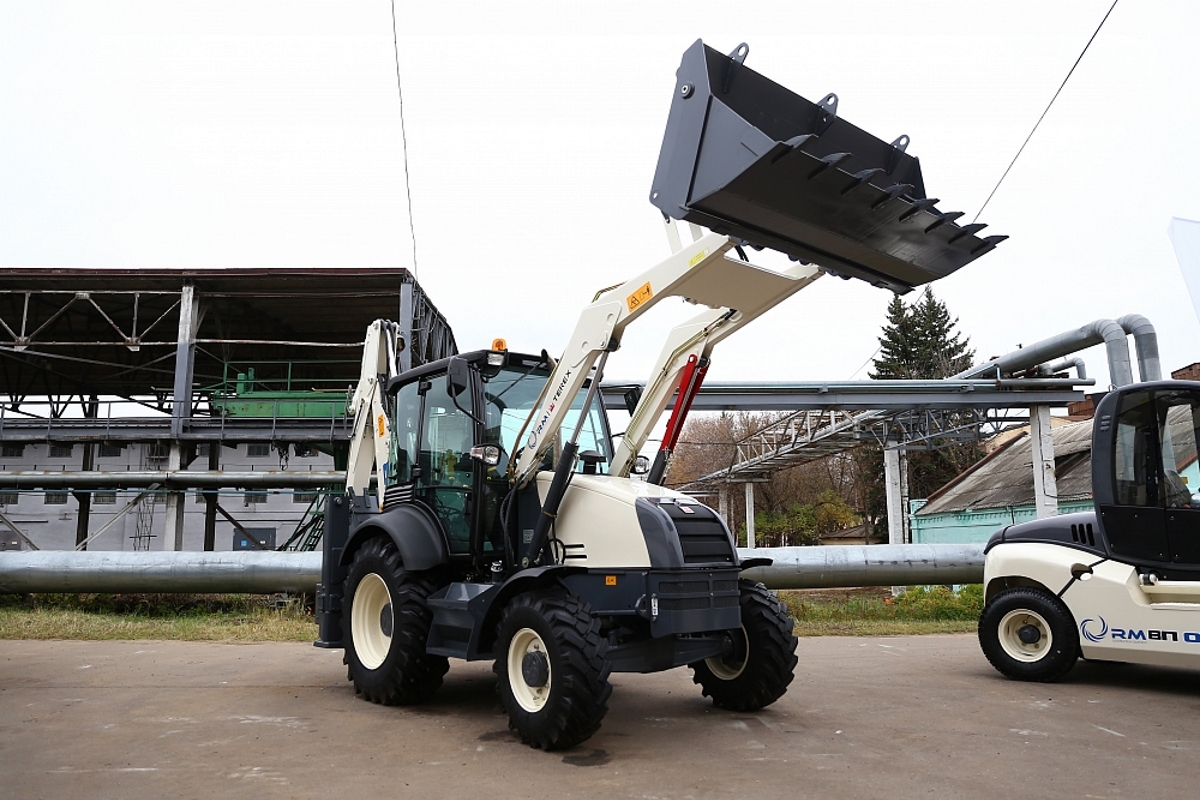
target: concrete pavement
871 718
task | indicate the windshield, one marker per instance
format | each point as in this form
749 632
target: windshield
509 397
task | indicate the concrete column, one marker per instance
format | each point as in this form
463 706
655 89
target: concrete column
1045 485
181 409
185 359
84 497
749 514
723 503
176 500
895 470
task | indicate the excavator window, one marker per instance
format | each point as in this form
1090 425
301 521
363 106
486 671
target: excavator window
446 477
1156 513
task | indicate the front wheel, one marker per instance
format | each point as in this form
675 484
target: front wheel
1029 634
387 620
553 674
763 659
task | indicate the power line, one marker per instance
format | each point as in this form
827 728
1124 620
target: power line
404 140
1043 116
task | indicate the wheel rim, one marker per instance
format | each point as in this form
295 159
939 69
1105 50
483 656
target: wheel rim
1025 635
527 643
371 621
727 669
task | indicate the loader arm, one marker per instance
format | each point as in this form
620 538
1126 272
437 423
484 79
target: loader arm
747 293
692 272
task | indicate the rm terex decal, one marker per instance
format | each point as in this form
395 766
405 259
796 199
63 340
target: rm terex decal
536 433
1096 630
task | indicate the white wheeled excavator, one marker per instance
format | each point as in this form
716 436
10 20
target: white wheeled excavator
504 524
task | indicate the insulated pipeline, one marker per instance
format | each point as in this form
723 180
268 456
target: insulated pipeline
874 565
270 571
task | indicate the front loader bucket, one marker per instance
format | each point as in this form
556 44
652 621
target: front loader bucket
745 157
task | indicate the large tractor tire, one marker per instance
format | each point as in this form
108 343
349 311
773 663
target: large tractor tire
553 673
386 622
1029 634
763 661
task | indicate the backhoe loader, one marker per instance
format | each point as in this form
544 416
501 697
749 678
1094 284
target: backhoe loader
502 523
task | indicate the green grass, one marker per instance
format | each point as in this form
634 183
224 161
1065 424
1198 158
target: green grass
197 618
873 612
253 618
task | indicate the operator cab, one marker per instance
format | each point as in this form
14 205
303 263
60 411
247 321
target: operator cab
1145 476
457 421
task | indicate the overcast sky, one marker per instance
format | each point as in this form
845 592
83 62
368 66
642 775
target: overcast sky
229 134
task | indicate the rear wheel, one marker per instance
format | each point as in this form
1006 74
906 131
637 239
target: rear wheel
763 659
1029 634
553 674
387 621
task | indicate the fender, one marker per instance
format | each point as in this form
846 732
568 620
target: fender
416 533
522 581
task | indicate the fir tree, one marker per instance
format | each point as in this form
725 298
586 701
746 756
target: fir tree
918 342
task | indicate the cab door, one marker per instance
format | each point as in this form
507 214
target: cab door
434 439
1150 513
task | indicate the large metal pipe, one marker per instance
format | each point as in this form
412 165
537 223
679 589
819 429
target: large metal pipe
1101 330
99 571
169 479
271 571
1146 342
874 565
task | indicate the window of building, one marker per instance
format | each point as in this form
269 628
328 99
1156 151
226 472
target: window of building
110 450
9 498
107 497
155 453
203 449
61 450
258 450
303 497
12 450
54 498
253 498
304 451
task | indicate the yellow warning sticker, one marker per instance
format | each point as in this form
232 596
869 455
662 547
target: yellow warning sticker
381 421
610 580
696 259
640 295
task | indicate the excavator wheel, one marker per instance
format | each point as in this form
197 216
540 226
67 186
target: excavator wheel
761 666
387 623
553 674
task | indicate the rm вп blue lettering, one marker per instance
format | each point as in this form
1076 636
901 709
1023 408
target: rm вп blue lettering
1137 635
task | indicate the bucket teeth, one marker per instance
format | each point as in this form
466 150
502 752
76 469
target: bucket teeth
987 244
831 160
948 216
918 205
891 193
863 178
967 230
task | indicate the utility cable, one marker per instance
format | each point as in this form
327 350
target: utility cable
1043 116
404 141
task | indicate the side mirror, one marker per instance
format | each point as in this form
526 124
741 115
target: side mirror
458 377
641 466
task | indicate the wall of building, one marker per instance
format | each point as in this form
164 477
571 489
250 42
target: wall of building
49 518
970 527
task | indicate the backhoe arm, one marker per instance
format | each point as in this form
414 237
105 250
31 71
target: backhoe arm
371 435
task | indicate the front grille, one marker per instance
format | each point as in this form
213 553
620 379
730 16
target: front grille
683 603
1083 534
702 536
679 587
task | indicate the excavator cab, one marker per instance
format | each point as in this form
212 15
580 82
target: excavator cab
748 158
